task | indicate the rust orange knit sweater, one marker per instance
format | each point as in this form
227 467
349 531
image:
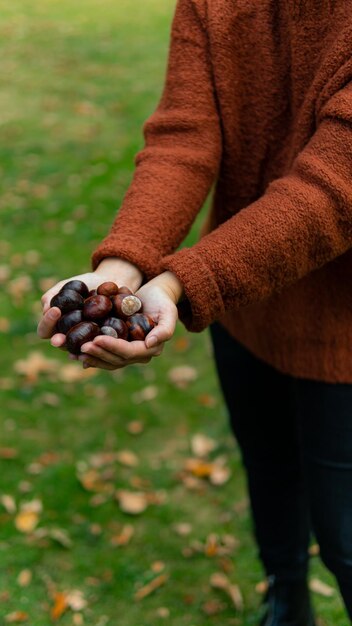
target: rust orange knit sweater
257 99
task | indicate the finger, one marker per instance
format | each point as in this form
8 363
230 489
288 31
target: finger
58 340
164 329
134 350
92 350
48 295
46 326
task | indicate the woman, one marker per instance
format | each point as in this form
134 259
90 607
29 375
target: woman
258 99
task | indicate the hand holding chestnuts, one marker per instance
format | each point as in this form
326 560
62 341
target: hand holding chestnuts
108 310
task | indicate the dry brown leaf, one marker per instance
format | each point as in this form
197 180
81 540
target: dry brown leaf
163 612
202 445
321 588
74 373
19 287
8 503
154 584
60 605
24 578
183 528
157 567
127 457
220 581
145 395
8 453
314 550
35 364
213 607
78 619
135 427
219 475
181 344
133 502
182 375
5 273
47 283
262 586
91 481
205 399
124 537
75 600
16 617
4 325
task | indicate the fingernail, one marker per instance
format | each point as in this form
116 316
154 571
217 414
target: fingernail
151 342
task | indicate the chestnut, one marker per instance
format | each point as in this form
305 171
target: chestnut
126 305
118 325
108 330
92 292
77 285
67 300
139 325
80 334
108 289
68 320
125 290
96 307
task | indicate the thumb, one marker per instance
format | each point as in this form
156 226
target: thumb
164 329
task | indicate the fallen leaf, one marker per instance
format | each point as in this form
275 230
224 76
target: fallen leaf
321 588
8 453
75 600
124 537
16 617
157 567
219 475
8 503
213 607
35 364
127 457
24 578
205 399
182 375
154 584
182 528
4 325
314 550
262 586
60 605
202 445
91 481
199 468
74 373
26 521
145 395
220 581
163 612
135 427
132 502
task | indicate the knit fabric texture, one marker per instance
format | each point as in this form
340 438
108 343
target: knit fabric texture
257 102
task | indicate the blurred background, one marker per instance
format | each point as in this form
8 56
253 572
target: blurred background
121 494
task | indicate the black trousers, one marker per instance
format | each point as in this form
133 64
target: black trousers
295 436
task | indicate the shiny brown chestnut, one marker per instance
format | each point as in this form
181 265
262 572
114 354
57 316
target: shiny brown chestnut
92 292
67 300
68 320
77 285
125 290
139 325
108 330
118 325
108 289
80 334
126 305
96 307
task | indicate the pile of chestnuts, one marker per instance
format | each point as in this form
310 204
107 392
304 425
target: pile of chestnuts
107 310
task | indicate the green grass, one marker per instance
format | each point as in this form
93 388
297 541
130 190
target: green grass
77 81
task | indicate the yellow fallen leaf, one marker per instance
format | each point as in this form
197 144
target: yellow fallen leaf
26 521
60 605
220 581
154 584
76 600
199 468
8 503
219 475
124 537
35 364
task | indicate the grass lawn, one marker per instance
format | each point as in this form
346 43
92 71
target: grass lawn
77 81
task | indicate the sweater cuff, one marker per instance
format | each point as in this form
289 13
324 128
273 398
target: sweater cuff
146 258
203 303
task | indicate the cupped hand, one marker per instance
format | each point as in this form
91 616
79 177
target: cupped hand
159 298
110 269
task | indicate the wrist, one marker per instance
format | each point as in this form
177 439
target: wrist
120 271
171 284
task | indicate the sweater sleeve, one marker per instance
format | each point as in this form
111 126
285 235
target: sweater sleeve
303 221
175 170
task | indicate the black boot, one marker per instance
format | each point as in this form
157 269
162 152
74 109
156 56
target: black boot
287 604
